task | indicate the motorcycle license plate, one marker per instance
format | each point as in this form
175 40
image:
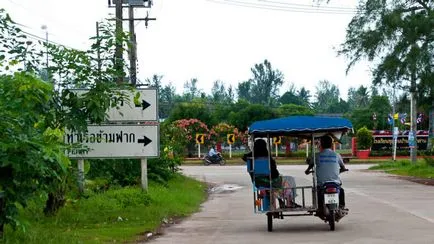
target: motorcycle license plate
331 198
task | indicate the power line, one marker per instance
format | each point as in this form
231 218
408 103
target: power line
295 9
279 8
310 6
38 38
63 24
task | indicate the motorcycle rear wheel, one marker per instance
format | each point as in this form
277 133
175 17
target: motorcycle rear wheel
331 219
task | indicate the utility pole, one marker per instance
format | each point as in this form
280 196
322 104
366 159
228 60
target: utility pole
412 139
133 47
119 51
395 134
131 4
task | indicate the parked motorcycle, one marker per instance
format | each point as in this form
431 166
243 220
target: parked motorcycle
217 159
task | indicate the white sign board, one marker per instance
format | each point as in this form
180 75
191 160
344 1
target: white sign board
116 141
143 108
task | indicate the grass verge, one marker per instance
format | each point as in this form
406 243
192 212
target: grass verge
117 215
424 168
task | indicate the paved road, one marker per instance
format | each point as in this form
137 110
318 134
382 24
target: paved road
383 209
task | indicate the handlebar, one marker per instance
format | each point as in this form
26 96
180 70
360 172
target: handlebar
340 171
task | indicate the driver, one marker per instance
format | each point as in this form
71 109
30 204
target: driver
328 166
212 153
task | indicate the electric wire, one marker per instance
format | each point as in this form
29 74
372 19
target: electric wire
310 6
282 8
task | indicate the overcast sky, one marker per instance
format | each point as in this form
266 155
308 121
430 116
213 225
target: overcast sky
215 39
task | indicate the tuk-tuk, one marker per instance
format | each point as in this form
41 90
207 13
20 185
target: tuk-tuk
268 194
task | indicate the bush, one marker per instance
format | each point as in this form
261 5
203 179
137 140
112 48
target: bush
127 172
123 172
429 161
364 138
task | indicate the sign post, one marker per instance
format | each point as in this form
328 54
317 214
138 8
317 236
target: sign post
231 140
81 176
200 139
277 141
395 138
144 174
140 139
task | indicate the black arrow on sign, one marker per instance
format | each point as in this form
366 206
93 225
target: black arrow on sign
144 105
231 138
145 141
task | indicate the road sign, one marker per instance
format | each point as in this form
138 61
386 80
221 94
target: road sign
277 140
200 138
231 138
141 106
412 139
116 141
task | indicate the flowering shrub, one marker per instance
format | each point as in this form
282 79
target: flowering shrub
191 127
219 132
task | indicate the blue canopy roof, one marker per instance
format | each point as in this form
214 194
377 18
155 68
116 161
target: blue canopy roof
300 126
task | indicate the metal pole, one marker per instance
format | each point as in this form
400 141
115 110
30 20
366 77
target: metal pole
230 150
393 126
198 150
144 170
314 190
81 176
413 149
133 56
118 51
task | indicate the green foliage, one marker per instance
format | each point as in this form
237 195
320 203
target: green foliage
35 113
123 172
31 154
429 161
292 109
358 99
380 105
327 99
244 114
263 87
397 37
126 172
421 169
16 48
196 109
364 138
173 138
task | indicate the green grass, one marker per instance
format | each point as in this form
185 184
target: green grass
96 219
424 168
